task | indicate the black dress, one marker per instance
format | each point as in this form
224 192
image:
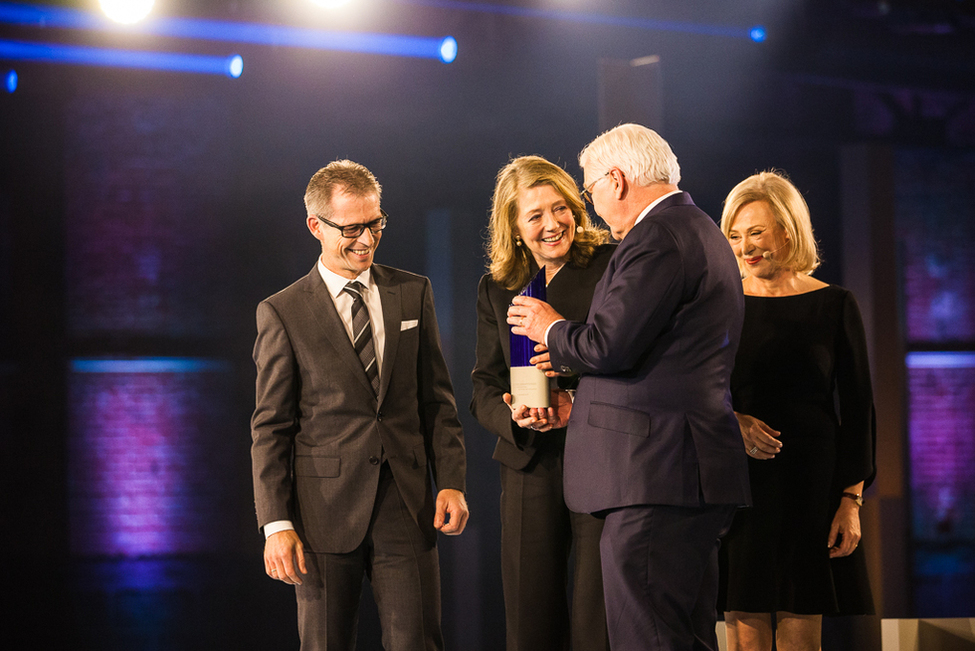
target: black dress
802 369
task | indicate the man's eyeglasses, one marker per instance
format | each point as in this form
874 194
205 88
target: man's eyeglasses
355 230
587 192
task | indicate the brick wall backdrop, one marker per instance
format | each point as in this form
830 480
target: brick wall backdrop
146 266
935 224
148 457
145 252
935 203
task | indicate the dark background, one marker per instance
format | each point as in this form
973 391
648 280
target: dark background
144 214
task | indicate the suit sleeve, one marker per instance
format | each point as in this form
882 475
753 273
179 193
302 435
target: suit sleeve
438 409
275 420
636 305
490 374
857 434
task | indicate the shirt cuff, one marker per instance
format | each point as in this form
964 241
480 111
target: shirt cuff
549 329
277 526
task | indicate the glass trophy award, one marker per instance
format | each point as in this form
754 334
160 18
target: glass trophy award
529 385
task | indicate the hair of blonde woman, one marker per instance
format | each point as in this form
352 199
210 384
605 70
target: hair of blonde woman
510 264
640 153
790 212
351 177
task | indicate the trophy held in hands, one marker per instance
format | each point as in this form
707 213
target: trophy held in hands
529 385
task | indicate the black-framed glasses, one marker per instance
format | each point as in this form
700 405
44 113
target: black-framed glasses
355 230
587 192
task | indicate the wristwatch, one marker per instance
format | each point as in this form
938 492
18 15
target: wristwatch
856 497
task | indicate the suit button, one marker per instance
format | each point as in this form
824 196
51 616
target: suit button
374 461
379 416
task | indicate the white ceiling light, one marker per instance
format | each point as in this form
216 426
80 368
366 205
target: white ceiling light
126 11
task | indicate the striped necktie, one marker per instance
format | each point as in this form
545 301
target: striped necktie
362 340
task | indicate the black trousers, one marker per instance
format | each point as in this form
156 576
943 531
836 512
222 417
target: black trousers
539 534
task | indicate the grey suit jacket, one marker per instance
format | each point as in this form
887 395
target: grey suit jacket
652 421
318 429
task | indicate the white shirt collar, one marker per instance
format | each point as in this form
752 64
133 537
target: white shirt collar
646 211
336 283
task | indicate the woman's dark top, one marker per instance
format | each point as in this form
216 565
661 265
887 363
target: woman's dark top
570 293
802 369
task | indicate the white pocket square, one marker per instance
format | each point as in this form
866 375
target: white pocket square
406 325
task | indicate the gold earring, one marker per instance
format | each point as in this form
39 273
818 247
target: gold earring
517 241
579 229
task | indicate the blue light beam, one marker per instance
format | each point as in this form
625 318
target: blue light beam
594 19
149 365
231 66
443 48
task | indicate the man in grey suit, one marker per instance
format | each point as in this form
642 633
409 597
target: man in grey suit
652 444
355 412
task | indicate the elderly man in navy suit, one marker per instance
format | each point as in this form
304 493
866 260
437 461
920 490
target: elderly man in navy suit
653 444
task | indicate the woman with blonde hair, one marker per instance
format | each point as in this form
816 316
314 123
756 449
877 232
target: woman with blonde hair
793 556
538 219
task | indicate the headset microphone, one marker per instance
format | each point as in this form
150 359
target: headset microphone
768 254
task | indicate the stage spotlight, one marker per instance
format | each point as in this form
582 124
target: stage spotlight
235 66
126 11
444 49
757 33
330 4
448 49
10 81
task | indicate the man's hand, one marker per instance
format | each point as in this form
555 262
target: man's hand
556 416
284 557
531 317
452 513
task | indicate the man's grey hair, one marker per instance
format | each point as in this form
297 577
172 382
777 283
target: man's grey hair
640 153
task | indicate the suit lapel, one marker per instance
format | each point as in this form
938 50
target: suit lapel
322 308
389 296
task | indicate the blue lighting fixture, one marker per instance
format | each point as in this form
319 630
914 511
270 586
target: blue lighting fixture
448 49
215 30
235 66
757 33
10 81
231 66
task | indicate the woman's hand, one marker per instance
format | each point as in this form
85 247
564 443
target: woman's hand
844 533
761 441
542 419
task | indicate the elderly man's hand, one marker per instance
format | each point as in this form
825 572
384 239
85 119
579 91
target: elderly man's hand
531 317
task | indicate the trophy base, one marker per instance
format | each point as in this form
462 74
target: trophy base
529 386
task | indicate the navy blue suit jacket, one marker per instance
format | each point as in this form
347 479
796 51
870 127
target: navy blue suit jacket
652 421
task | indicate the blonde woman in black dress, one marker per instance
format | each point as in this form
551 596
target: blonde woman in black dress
793 557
